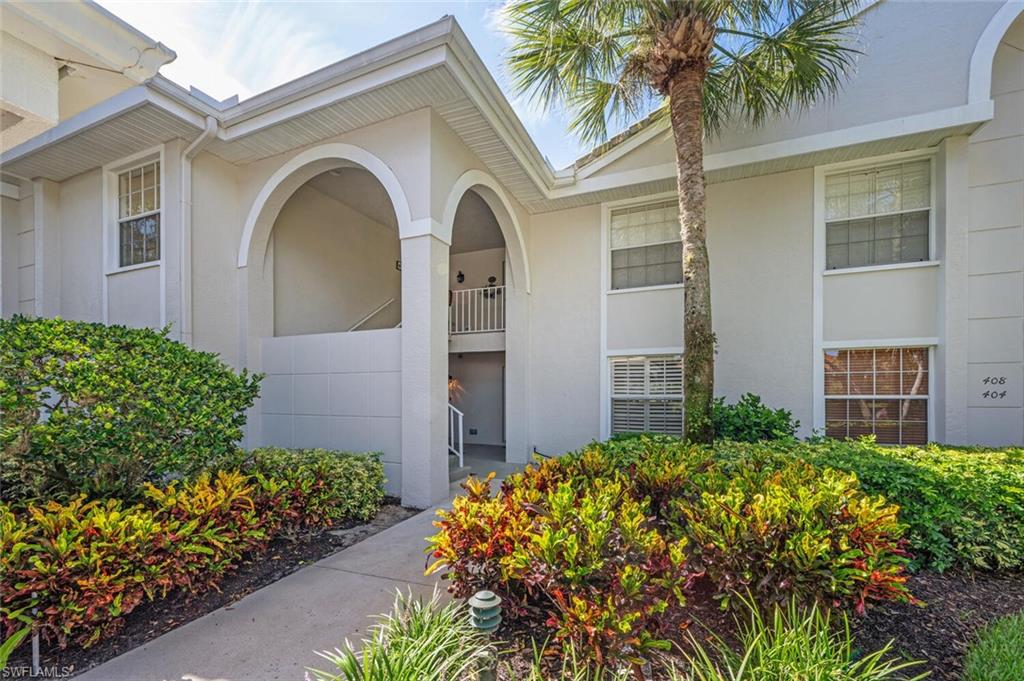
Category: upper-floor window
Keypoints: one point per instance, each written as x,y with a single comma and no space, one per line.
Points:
646,249
878,216
138,214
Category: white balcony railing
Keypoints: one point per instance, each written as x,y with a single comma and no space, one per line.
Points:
477,310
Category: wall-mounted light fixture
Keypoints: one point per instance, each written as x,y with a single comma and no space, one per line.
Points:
460,277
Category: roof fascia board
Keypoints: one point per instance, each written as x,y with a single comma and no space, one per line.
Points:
120,103
634,142
482,89
371,80
959,116
92,30
368,61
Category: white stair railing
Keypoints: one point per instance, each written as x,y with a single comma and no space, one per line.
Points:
477,310
455,438
371,315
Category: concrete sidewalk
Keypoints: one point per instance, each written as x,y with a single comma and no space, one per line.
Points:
272,633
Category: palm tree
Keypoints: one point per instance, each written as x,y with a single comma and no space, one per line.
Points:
702,63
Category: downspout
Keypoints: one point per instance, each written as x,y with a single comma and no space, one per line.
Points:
185,278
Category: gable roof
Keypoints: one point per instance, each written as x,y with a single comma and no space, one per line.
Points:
437,67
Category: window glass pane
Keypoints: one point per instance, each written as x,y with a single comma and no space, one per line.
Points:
837,197
861,254
862,200
140,240
647,266
878,196
874,379
837,256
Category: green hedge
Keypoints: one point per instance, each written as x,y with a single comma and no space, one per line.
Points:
98,410
963,506
86,564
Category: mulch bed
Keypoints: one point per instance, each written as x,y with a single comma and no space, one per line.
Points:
151,619
938,633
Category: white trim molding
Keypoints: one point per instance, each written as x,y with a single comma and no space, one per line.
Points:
302,167
504,213
979,80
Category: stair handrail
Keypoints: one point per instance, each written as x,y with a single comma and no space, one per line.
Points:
371,315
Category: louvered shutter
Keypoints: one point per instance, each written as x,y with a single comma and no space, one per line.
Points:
646,395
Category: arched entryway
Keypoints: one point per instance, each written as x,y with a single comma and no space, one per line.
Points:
320,305
488,287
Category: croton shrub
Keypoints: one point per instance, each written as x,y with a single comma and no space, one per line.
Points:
963,507
86,564
599,543
99,410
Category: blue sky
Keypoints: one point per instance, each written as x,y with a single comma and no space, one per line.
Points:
244,48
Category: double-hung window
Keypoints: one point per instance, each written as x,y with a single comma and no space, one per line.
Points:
878,216
647,394
138,214
646,249
881,392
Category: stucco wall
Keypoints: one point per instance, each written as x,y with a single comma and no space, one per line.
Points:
477,266
81,251
217,221
759,240
565,328
134,297
18,255
995,270
332,267
336,391
899,303
480,398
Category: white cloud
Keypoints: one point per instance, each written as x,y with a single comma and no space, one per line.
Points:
226,49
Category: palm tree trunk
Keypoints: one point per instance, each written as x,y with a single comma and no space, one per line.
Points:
684,92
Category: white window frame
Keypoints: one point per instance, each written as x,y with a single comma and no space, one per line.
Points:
819,345
606,251
111,231
820,221
111,222
647,396
879,344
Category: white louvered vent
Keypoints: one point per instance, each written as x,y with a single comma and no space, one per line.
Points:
647,394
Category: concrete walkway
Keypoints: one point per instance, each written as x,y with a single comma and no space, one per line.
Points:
272,633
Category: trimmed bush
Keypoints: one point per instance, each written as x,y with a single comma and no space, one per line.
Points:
98,410
963,507
326,486
90,563
997,654
749,420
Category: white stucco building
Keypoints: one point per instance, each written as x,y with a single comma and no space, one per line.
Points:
367,231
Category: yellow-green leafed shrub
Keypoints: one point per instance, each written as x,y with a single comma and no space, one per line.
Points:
962,506
796,532
85,565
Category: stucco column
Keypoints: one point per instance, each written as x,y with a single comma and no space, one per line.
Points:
46,216
951,250
424,370
518,448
